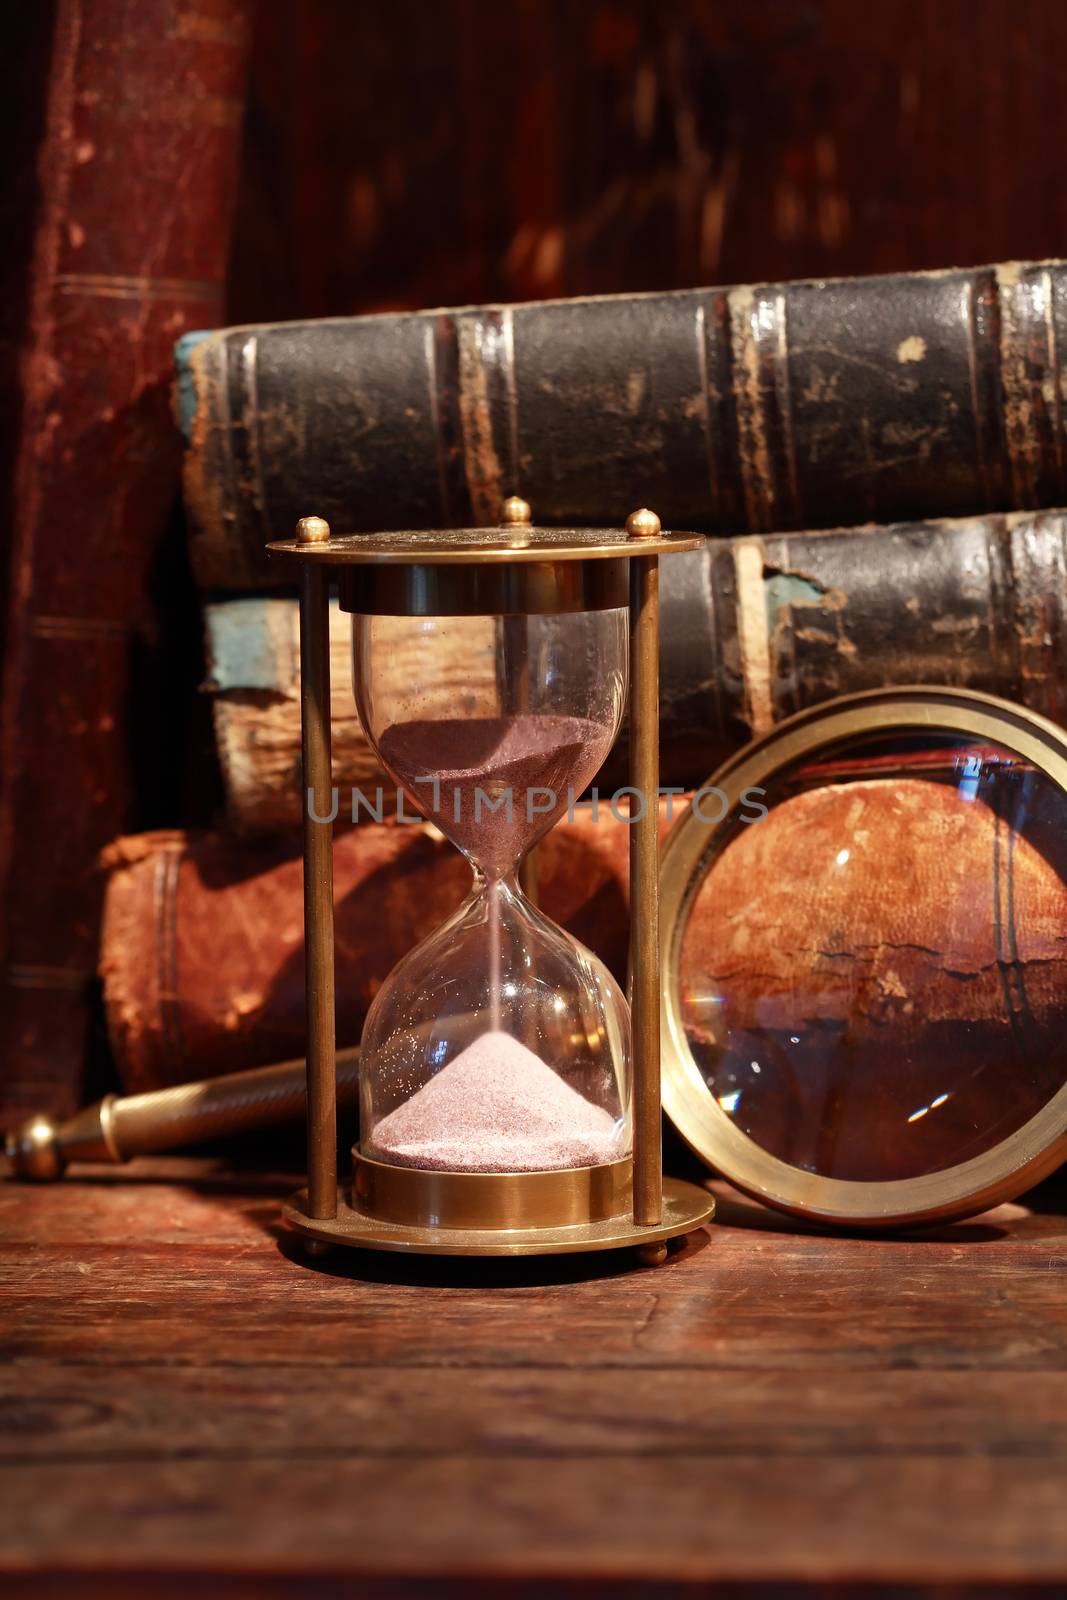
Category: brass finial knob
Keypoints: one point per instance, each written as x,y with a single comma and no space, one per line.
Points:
515,511
33,1150
313,530
643,524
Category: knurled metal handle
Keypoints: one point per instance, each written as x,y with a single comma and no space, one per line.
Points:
120,1127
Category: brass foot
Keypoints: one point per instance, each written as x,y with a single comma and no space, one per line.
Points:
685,1207
652,1255
317,1247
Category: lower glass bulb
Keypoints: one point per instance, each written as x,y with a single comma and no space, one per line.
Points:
499,1045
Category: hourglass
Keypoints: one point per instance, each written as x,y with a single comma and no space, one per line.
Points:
509,1104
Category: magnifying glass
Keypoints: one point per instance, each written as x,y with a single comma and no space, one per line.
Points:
864,930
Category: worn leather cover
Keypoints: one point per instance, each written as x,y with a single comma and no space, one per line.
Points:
767,407
137,178
753,629
202,950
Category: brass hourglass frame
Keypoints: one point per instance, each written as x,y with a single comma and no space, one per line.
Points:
512,570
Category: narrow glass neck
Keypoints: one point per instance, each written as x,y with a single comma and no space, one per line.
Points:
505,883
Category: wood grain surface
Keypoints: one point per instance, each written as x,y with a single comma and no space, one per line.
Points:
186,1407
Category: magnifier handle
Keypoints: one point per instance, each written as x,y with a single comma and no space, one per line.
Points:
120,1127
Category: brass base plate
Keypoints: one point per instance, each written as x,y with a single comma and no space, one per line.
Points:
685,1207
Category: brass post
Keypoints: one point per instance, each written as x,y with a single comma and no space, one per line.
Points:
644,872
318,875
516,513
520,701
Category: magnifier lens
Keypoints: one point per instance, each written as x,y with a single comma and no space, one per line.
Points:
873,972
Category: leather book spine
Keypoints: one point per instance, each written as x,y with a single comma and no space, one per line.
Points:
754,629
138,168
202,948
754,409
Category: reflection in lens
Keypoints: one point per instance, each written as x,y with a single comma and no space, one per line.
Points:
873,978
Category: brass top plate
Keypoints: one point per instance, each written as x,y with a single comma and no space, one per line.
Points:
484,546
998,1174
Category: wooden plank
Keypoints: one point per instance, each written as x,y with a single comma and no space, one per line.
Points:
891,1519
186,1200
66,1414
774,1406
190,1199
992,1297
168,1200
255,1306
143,1312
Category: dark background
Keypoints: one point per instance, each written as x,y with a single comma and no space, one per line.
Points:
403,153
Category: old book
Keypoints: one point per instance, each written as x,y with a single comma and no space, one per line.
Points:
253,662
761,408
202,946
754,629
138,167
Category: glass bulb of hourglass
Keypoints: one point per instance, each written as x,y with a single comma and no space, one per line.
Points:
499,1044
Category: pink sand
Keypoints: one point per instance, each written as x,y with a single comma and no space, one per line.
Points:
496,1108
520,753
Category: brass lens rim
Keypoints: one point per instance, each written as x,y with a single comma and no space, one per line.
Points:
999,1174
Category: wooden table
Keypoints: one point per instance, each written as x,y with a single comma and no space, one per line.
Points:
771,1408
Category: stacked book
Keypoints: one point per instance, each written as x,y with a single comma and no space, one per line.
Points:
917,418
